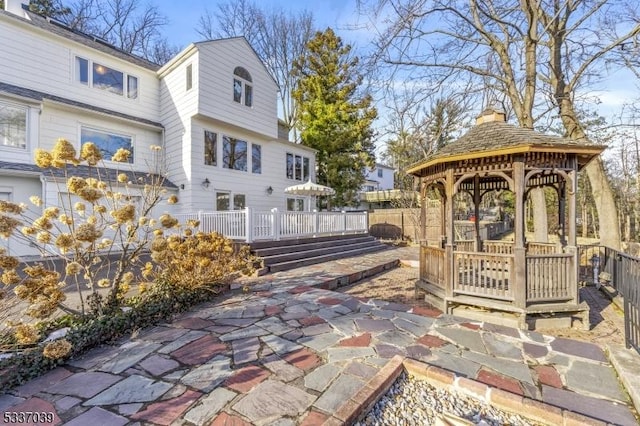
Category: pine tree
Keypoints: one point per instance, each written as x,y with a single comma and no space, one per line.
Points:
50,8
333,117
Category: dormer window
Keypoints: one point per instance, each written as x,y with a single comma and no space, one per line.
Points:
242,87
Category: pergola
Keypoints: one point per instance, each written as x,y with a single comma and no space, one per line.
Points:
516,278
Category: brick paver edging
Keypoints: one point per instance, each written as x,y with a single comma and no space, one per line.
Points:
378,385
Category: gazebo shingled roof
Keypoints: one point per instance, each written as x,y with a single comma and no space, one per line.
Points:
500,138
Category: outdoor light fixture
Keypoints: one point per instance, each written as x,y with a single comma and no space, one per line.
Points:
206,182
269,190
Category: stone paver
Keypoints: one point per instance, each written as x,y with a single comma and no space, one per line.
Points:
319,379
594,379
209,375
340,391
289,352
246,378
208,407
98,416
165,412
199,350
84,384
128,355
132,389
271,400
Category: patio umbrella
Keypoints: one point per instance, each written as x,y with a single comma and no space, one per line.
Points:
309,189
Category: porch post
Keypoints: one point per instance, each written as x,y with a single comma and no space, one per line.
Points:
275,224
519,251
248,222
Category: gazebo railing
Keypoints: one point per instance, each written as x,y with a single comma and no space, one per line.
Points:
498,247
543,248
432,265
481,274
549,278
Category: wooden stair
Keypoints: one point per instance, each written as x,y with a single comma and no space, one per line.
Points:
293,253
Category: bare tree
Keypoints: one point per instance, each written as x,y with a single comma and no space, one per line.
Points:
540,54
126,24
278,37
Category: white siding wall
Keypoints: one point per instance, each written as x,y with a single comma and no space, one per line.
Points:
218,59
18,189
253,186
177,107
58,121
45,62
384,182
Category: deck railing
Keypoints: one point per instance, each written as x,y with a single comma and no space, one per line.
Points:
248,225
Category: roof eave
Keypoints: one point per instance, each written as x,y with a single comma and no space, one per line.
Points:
592,150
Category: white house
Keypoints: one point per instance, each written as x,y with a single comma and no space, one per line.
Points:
213,108
378,178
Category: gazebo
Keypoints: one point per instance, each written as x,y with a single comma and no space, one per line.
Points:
525,283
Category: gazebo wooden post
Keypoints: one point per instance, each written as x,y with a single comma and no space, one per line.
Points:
572,243
562,202
423,210
519,275
476,211
450,235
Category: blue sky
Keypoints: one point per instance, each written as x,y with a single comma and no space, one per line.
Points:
184,15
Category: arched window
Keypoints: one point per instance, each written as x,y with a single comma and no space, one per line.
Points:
242,89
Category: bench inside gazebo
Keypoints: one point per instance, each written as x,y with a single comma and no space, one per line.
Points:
527,284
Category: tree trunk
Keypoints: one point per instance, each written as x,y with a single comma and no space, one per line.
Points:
540,226
605,204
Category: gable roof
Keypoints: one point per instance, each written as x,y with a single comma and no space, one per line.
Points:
60,29
500,138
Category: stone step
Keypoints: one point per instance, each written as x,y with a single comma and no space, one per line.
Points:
312,245
284,266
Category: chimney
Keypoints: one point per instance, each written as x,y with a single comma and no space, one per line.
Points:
491,114
14,7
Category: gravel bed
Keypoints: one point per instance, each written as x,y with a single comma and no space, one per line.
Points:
411,401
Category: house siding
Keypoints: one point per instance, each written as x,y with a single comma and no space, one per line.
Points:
51,70
218,59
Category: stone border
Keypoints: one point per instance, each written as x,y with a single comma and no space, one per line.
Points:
358,405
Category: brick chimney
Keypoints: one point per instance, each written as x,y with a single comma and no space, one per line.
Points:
491,114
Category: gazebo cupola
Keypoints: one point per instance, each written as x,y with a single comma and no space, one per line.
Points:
510,278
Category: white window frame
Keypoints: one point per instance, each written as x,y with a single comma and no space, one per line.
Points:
232,198
294,175
89,83
110,133
26,127
246,96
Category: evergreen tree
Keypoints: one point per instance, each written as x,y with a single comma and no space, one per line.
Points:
50,8
333,117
